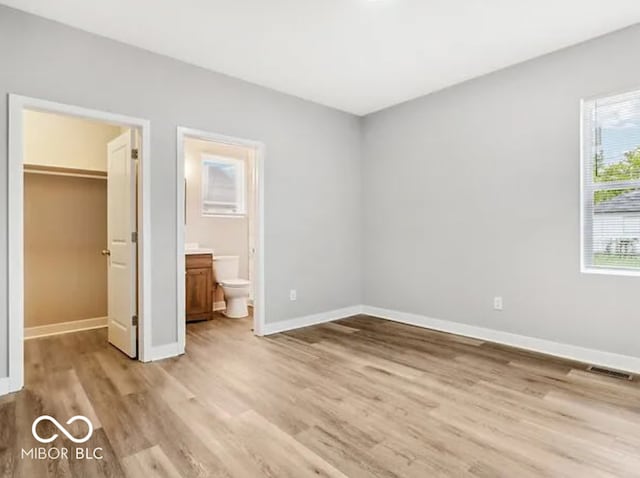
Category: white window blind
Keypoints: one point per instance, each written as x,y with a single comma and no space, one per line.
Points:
611,184
223,186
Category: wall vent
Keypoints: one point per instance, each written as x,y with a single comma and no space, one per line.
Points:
609,372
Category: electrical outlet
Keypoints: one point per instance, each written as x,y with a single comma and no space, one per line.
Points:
293,295
497,303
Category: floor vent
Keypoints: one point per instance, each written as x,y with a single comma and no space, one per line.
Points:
610,373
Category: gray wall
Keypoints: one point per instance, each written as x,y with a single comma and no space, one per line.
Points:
468,193
312,163
473,192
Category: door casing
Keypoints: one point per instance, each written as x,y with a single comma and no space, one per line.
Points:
15,279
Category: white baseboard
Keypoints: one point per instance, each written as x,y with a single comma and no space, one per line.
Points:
65,327
307,320
4,386
15,384
162,352
572,352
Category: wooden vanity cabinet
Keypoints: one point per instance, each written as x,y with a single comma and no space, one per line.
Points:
199,287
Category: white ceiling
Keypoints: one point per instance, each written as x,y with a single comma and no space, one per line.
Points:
355,55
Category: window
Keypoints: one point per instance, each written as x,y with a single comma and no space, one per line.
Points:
223,186
611,184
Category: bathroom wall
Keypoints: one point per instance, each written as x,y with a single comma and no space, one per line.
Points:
65,219
225,235
474,192
312,165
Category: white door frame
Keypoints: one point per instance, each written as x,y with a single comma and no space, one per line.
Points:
258,306
17,104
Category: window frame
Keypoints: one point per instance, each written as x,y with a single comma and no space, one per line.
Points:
588,187
241,184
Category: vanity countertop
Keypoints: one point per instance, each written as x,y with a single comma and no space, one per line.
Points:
198,250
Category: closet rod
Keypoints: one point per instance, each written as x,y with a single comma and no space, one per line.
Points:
60,171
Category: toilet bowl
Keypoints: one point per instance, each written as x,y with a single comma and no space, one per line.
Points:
236,291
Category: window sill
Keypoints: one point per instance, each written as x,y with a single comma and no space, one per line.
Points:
221,215
610,272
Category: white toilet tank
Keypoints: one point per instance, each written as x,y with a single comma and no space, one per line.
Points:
225,268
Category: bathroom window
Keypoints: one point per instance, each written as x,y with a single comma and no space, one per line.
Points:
223,186
611,184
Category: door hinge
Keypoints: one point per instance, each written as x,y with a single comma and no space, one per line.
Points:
134,236
134,153
134,320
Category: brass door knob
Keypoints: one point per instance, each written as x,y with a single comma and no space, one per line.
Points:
106,252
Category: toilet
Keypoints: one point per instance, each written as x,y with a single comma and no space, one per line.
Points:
236,291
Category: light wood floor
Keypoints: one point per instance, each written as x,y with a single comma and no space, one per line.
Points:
361,397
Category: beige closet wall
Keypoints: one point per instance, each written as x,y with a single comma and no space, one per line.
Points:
66,141
65,220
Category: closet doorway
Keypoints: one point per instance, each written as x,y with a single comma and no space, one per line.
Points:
76,226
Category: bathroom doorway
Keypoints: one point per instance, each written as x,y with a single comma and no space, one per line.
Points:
220,226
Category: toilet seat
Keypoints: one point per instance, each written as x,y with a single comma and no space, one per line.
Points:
235,283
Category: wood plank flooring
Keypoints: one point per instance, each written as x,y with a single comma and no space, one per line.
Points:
357,398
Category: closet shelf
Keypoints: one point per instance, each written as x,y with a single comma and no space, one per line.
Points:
61,171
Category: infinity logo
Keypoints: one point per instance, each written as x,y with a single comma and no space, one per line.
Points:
62,429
